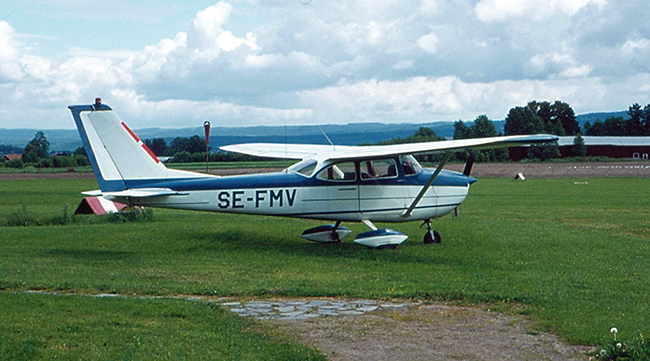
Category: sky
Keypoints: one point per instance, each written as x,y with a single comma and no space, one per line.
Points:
175,64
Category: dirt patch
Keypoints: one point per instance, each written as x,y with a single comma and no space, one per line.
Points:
558,170
429,332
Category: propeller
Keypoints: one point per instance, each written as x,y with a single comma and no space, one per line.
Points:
470,163
466,171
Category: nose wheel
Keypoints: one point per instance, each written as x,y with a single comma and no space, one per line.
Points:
431,236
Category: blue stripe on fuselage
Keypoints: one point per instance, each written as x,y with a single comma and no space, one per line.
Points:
283,179
445,178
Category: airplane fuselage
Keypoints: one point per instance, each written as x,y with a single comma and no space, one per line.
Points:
291,194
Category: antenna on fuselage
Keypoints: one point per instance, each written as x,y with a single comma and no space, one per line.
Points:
326,137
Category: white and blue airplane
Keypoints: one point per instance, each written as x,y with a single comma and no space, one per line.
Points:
337,183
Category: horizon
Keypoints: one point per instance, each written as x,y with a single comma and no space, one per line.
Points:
200,126
342,134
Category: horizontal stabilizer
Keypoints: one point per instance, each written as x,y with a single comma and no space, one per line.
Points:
144,193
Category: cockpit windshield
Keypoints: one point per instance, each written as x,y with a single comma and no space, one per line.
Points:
306,167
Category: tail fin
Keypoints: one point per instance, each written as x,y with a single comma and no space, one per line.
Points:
118,157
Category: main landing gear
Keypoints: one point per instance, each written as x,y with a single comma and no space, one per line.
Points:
376,238
431,236
329,233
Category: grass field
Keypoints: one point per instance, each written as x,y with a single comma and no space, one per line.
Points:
571,254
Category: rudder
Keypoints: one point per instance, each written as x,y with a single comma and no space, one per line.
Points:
118,157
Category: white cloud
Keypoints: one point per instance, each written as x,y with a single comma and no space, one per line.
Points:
632,46
428,43
329,62
10,67
169,112
503,10
499,10
558,64
208,36
7,47
421,99
576,71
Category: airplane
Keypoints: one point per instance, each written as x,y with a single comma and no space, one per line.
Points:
333,183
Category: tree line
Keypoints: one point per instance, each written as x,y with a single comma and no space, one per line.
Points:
192,149
556,118
637,123
37,154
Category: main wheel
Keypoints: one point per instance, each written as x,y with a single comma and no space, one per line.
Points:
432,237
387,246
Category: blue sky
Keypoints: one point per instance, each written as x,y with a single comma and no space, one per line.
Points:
251,62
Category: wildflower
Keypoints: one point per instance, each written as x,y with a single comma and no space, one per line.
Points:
618,345
603,353
614,330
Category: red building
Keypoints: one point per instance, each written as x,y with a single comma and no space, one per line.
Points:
611,147
12,156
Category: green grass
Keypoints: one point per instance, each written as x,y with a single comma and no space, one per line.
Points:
572,256
37,326
32,169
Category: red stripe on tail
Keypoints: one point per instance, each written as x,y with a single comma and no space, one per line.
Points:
130,132
151,154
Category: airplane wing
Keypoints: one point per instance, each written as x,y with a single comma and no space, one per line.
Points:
283,151
302,151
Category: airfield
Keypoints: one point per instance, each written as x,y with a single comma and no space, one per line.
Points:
530,270
534,170
480,170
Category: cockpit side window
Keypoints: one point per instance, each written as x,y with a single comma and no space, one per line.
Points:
340,172
378,168
410,165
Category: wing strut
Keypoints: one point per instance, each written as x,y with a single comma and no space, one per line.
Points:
417,199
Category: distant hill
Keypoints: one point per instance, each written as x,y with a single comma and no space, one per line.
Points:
592,117
347,134
344,134
60,139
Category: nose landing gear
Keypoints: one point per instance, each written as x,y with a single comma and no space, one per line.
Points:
431,236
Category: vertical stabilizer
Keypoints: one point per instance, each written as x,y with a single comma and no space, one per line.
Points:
118,157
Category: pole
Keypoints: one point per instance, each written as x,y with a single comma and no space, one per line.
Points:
206,127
